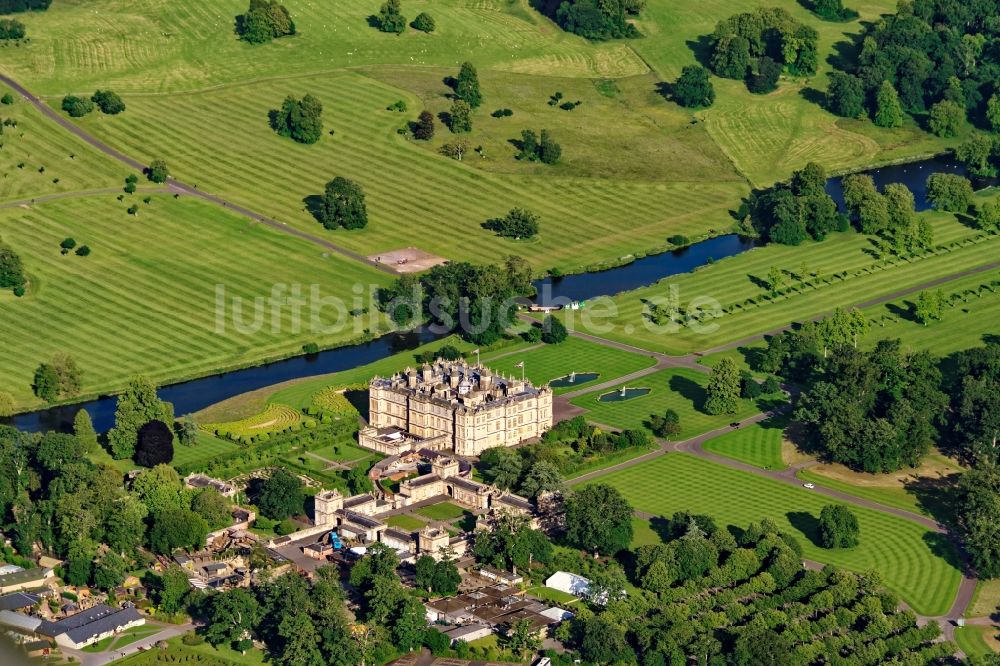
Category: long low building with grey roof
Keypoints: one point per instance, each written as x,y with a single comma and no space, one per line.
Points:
89,626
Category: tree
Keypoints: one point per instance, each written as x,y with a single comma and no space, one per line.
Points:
928,306
666,426
423,129
343,205
108,102
69,374
171,589
456,150
160,489
542,477
46,383
529,146
723,392
517,223
520,638
888,113
598,518
846,95
125,524
137,405
155,444
731,57
232,617
67,244
604,643
977,154
838,527
946,118
79,562
833,10
593,20
978,498
7,99
500,466
11,269
993,112
158,171
424,22
77,107
281,495
390,18
467,85
549,152
424,576
460,117
693,88
110,571
409,624
446,578
177,528
263,22
775,280
187,432
765,80
300,120
950,192
553,331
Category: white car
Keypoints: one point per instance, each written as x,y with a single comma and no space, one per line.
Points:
810,486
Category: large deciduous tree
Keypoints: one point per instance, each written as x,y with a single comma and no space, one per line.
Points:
281,495
155,444
599,519
343,205
723,391
137,405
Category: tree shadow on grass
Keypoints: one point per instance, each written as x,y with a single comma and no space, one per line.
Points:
807,524
701,47
314,204
904,311
934,495
690,390
665,90
467,523
943,547
813,96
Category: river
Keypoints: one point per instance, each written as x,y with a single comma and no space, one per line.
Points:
196,394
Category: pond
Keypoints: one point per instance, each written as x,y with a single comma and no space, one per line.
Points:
574,379
623,394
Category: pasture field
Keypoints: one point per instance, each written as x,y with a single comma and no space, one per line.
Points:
146,300
768,136
986,600
131,45
732,281
757,444
922,490
39,158
548,362
416,197
680,389
917,564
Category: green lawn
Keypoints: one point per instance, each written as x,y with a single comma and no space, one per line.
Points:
548,362
52,160
549,594
609,460
972,640
916,563
405,522
145,300
758,444
679,389
205,449
342,451
643,534
195,655
442,511
734,281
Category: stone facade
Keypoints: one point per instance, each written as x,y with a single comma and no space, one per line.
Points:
466,406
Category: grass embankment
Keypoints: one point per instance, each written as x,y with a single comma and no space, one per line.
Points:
919,565
733,282
146,300
679,389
